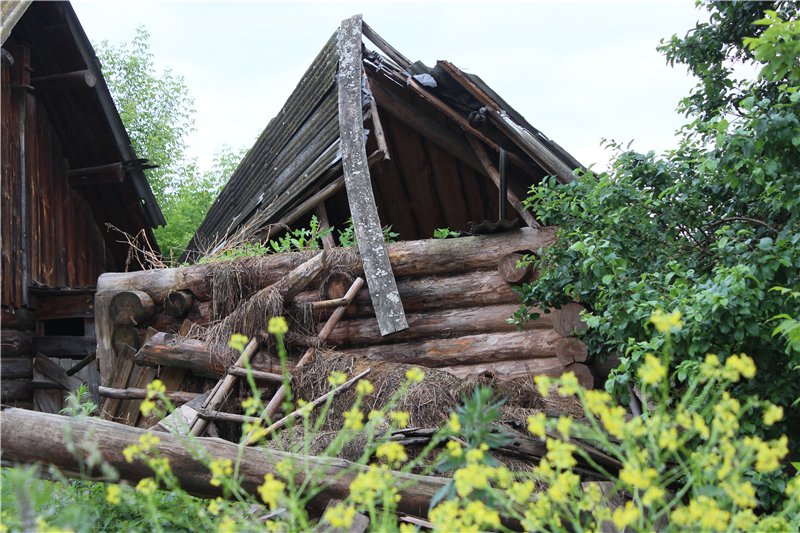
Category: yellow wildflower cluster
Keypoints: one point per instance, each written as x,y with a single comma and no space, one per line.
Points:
652,371
155,391
354,419
337,378
147,441
277,326
146,486
340,516
400,418
113,493
364,386
393,452
220,469
373,485
472,517
271,491
238,342
415,374
664,322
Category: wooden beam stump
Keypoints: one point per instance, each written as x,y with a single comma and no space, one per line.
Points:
177,304
131,308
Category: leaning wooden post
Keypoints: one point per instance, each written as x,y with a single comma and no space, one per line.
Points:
336,316
369,234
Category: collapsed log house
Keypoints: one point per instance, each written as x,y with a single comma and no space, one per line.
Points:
370,135
68,170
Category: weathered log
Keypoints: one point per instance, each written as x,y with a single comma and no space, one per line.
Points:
436,324
14,342
131,308
126,336
164,349
258,376
200,314
30,437
21,318
55,306
177,397
417,258
567,320
508,370
583,373
16,368
510,271
572,350
178,303
64,345
489,347
15,390
336,284
299,278
86,361
482,287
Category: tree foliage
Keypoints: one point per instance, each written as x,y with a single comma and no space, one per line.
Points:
158,113
710,229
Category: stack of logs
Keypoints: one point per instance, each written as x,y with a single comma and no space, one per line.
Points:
458,295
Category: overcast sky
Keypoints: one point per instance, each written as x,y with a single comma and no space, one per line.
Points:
578,71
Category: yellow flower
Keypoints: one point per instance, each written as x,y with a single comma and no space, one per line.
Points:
563,486
405,527
652,371
772,414
159,465
112,494
401,418
768,458
478,514
155,388
569,384
213,506
668,439
636,477
597,401
563,425
147,407
277,326
376,414
393,452
148,441
625,516
652,495
415,374
739,365
537,425
284,468
249,405
364,387
742,494
220,469
664,322
238,342
130,452
542,385
454,448
560,454
745,520
613,420
521,492
368,484
471,477
271,491
227,525
700,426
146,486
354,419
337,378
340,516
455,423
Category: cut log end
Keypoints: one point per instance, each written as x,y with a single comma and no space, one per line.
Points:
571,350
177,304
511,271
131,308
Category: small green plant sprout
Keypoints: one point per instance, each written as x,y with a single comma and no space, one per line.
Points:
347,236
79,403
445,233
301,238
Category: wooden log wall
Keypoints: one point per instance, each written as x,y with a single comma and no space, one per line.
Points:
457,302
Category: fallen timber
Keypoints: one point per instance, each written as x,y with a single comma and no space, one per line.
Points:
32,437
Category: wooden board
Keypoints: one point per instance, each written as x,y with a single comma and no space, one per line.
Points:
371,246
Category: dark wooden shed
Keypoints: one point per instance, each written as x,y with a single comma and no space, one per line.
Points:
68,172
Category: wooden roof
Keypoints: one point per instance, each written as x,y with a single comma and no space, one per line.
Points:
433,136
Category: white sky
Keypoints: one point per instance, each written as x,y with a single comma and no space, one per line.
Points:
578,71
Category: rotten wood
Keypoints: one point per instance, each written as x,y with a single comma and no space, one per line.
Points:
16,368
53,370
53,307
15,390
65,80
29,437
336,284
113,173
221,416
126,336
86,361
368,229
131,308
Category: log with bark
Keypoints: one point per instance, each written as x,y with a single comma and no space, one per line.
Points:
409,258
30,437
177,397
13,342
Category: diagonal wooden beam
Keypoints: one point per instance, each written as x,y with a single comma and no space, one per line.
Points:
369,234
